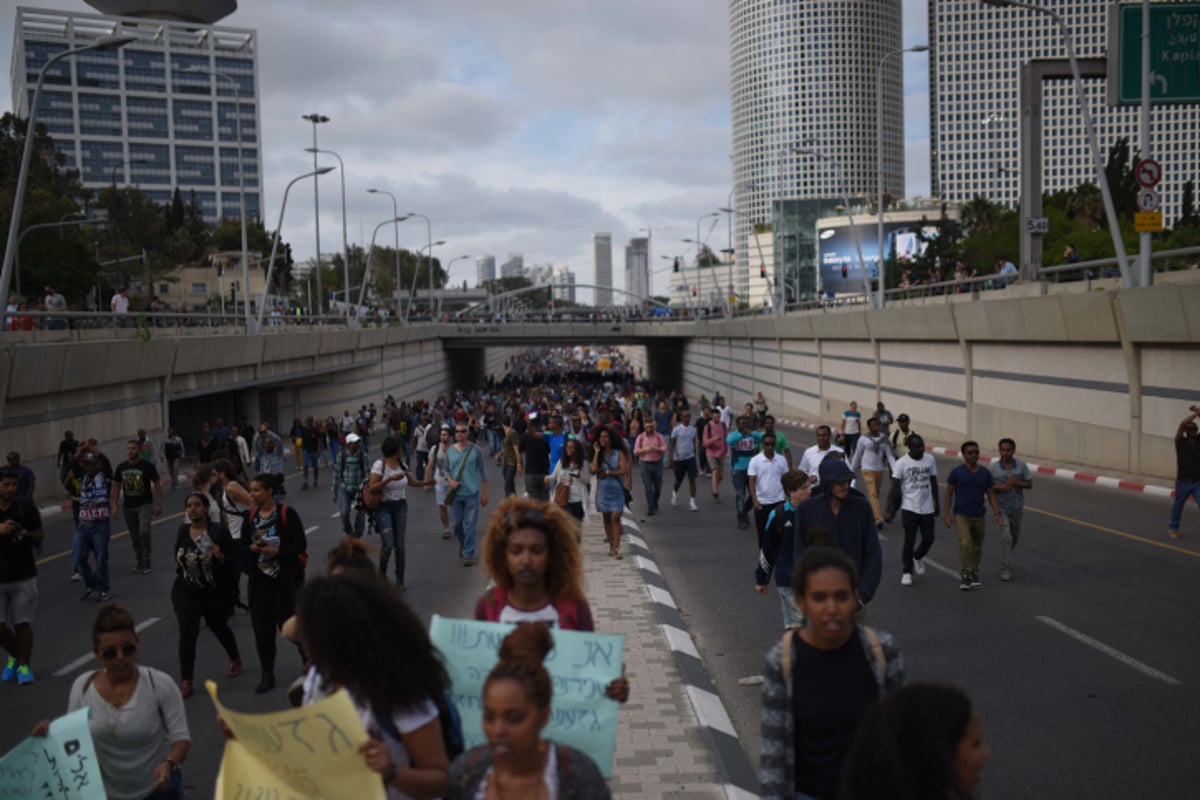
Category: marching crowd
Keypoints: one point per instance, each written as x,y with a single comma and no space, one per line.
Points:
567,439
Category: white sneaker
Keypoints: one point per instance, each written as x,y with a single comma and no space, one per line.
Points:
674,498
906,579
919,566
692,505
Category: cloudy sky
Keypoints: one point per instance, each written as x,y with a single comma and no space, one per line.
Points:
520,126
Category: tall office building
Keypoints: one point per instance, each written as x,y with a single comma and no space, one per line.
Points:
602,268
804,75
514,267
135,115
485,269
974,110
637,271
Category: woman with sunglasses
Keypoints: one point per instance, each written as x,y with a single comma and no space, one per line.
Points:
204,573
531,554
136,717
610,465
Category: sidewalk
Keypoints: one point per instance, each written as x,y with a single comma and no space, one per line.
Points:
663,747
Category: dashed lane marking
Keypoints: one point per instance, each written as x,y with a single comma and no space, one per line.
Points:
1111,652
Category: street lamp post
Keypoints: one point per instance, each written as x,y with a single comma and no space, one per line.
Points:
1110,211
396,235
370,253
413,291
429,239
345,240
237,126
14,225
449,264
917,48
262,303
316,119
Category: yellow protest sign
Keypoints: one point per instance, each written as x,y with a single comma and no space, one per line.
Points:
301,754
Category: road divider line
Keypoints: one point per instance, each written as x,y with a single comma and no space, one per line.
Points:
953,573
86,657
1131,536
1111,652
56,556
310,529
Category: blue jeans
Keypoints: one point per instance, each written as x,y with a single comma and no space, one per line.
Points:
92,537
793,617
464,513
652,482
346,496
391,520
741,488
1183,490
495,441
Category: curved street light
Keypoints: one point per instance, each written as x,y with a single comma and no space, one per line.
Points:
429,239
262,303
396,235
317,119
14,224
449,264
345,241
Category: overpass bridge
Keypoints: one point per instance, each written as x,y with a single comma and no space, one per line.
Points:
1082,372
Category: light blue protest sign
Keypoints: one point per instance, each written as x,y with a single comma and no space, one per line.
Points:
61,766
581,666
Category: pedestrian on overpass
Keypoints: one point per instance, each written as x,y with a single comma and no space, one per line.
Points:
1010,479
967,486
819,682
1187,469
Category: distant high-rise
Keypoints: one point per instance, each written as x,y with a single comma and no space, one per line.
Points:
804,75
485,269
974,111
514,267
602,265
136,115
637,270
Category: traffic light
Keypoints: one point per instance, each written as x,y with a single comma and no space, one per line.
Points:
693,291
677,263
762,272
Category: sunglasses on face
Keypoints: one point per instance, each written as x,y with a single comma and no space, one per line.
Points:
128,651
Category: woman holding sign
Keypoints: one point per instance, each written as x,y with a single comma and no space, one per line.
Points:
360,636
137,720
517,761
532,555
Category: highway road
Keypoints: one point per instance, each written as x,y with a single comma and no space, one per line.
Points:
1084,667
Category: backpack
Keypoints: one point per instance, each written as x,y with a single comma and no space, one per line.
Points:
448,716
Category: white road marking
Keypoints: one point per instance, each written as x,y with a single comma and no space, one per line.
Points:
86,657
629,522
1127,660
734,793
680,641
710,711
647,565
661,596
637,541
311,528
953,573
335,515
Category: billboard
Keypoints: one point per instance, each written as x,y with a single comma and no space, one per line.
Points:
840,269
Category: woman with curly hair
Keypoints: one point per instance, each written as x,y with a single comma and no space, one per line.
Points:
531,554
360,636
517,761
611,466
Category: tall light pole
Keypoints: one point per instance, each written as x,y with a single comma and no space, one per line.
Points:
449,264
262,303
316,119
396,233
237,124
649,255
413,291
116,215
345,240
1110,210
729,209
367,270
14,224
429,239
837,171
917,48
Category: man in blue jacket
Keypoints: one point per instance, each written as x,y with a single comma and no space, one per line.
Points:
847,515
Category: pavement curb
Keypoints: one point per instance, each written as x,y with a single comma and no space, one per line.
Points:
1057,472
738,776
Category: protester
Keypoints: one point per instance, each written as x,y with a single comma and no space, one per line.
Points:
391,477
517,761
610,465
135,715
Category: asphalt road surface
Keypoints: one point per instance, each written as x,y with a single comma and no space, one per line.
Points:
1084,667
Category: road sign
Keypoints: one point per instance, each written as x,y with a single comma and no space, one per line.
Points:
1148,222
1174,53
1148,173
1037,225
1149,200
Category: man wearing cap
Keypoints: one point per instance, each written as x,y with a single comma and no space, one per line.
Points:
901,434
847,516
348,474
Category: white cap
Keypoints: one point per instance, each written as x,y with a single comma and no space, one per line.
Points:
351,438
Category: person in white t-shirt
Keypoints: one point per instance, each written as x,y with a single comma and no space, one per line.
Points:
810,462
766,482
874,454
682,453
915,492
390,476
